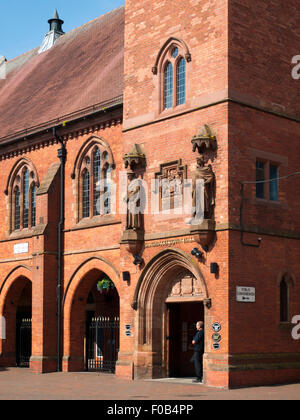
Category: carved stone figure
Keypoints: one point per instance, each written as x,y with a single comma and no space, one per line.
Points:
134,211
207,175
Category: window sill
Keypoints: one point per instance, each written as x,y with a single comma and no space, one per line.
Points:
27,232
172,111
95,221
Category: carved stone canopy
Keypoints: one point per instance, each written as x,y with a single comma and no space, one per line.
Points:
204,140
135,159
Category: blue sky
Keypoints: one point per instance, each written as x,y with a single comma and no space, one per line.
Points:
24,23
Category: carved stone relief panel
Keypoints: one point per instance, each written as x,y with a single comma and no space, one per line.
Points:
170,183
185,285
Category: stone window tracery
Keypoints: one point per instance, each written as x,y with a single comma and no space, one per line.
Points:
21,189
93,168
171,68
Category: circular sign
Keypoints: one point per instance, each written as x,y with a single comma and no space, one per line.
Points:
216,337
216,346
216,327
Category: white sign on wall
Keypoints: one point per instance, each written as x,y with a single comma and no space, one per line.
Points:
245,294
2,328
21,248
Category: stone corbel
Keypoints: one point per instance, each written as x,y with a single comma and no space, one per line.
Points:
204,233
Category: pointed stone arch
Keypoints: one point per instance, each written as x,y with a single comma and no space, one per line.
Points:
170,274
172,41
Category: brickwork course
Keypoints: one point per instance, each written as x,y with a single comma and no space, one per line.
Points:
102,87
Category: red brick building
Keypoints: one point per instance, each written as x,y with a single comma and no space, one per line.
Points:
147,92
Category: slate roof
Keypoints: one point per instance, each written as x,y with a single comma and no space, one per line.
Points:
83,71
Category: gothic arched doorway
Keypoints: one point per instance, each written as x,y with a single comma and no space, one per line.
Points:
171,296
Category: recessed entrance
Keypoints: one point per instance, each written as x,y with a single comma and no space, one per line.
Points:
181,328
102,330
24,328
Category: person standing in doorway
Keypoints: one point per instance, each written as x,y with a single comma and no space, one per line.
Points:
198,342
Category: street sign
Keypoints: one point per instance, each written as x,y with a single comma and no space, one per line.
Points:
245,294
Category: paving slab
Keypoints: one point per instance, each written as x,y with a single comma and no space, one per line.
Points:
22,384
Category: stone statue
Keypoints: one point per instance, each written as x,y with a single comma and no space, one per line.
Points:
134,211
207,175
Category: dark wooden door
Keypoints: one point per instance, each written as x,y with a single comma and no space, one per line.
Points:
181,328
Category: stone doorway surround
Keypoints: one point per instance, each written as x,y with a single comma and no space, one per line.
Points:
171,276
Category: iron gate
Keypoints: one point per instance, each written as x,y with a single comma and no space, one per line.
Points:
23,341
102,344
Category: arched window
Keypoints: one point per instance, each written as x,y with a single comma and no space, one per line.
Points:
33,205
180,82
168,86
85,194
25,198
107,190
21,188
284,299
93,168
96,181
171,66
17,208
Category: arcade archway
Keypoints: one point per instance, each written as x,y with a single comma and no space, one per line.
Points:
91,320
16,308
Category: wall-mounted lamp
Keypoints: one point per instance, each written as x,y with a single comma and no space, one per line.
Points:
197,253
126,275
137,260
214,268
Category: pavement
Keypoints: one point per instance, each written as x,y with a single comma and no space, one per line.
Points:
21,384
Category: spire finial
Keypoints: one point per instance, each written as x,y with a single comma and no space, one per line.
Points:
55,16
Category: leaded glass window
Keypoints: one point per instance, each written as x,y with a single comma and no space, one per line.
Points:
107,190
33,205
85,194
25,198
168,86
180,82
96,182
17,208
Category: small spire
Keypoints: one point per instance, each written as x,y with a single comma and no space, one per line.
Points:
54,33
55,16
56,23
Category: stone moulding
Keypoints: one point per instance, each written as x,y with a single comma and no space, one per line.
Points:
133,240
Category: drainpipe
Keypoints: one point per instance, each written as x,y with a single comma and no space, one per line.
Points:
62,153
